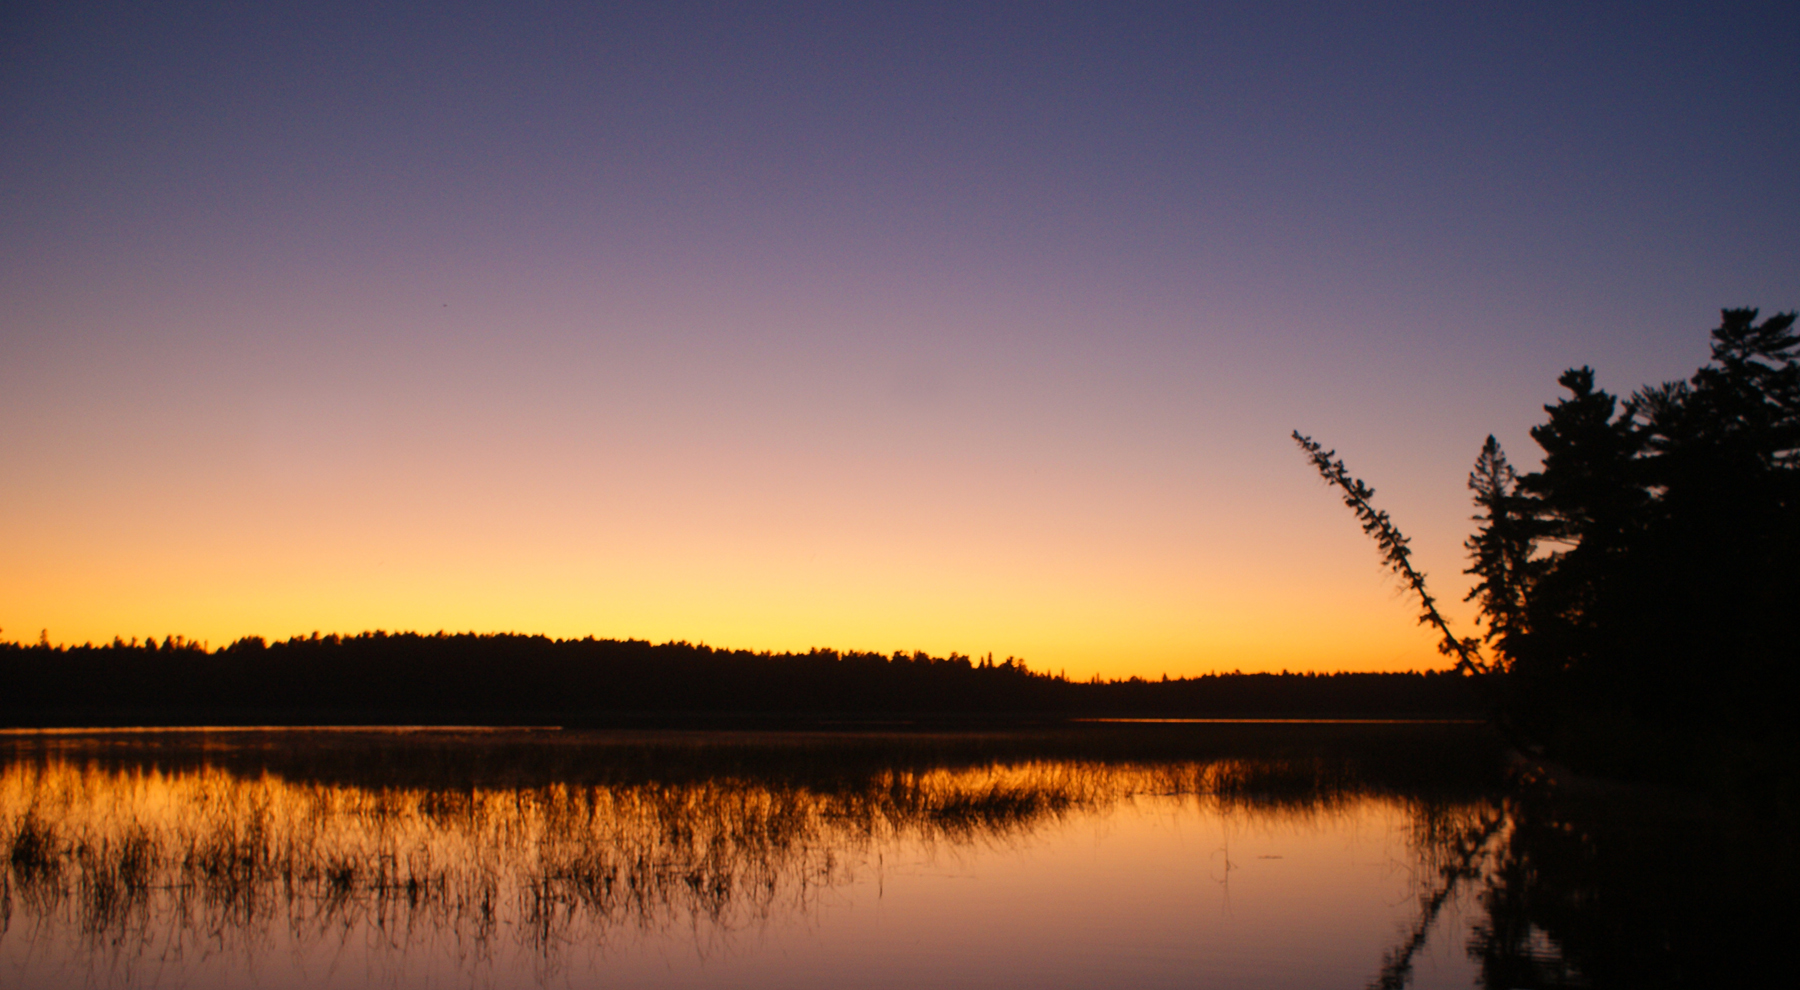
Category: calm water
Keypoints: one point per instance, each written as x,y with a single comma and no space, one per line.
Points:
1119,857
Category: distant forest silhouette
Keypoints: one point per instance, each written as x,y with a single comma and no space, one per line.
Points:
1637,592
470,678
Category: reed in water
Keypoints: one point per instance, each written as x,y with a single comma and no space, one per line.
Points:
114,847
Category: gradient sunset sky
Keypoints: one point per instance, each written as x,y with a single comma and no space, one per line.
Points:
919,326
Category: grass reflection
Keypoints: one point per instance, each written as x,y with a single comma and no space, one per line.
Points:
128,853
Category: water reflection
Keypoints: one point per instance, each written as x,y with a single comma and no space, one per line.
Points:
131,859
364,861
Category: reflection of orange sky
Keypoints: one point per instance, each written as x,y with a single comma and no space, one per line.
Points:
1125,875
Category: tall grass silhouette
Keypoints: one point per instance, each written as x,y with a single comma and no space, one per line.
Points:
137,854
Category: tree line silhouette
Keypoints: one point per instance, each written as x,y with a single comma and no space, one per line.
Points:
456,678
1645,574
1649,567
1641,577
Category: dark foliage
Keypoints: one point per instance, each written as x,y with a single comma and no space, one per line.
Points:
1648,569
384,677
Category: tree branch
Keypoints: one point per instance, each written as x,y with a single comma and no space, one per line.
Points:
1394,550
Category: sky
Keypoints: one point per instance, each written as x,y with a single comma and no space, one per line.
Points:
951,327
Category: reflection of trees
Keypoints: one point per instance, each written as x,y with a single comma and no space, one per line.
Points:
1613,886
1605,885
1455,844
1514,948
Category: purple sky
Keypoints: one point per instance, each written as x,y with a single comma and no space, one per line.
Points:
953,327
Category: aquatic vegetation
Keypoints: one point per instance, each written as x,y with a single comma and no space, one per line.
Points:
233,845
136,855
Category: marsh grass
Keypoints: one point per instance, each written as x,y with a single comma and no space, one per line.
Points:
149,848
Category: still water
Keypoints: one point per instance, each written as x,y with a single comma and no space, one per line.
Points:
1103,858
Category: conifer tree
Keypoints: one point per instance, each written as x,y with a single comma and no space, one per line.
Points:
1501,550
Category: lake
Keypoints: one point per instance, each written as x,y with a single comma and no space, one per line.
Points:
1141,855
